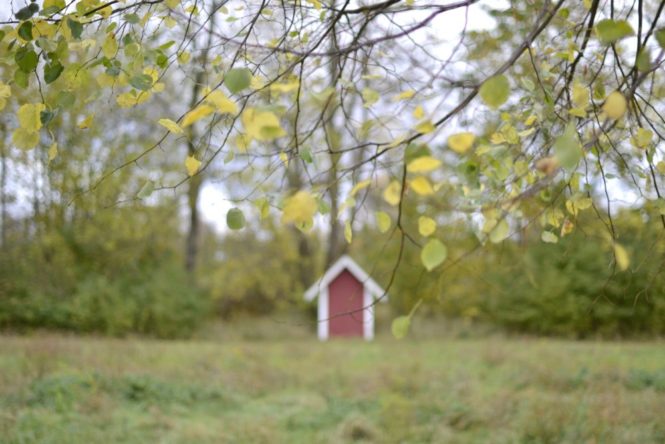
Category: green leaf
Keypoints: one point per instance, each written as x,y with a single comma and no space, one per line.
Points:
65,99
500,232
495,91
142,82
643,61
52,71
46,116
609,31
237,79
433,254
567,148
75,27
400,326
146,190
59,4
21,78
26,58
25,31
132,18
306,155
660,37
48,46
25,13
235,219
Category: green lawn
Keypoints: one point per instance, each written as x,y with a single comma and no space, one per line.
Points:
70,390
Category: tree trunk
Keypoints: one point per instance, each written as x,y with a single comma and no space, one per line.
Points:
336,245
195,182
3,192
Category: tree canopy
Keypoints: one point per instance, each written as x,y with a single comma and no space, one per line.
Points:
342,113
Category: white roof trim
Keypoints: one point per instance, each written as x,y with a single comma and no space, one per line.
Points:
345,262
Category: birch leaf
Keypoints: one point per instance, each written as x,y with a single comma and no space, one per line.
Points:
192,164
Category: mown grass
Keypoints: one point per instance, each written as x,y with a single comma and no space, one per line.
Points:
57,389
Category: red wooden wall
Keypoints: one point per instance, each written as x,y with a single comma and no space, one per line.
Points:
345,294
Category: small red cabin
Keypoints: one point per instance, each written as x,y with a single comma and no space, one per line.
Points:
345,295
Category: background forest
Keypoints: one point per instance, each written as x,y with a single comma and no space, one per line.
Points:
100,232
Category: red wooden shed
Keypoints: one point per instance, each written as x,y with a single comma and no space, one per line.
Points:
345,295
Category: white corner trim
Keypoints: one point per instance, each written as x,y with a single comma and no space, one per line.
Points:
323,322
368,316
321,286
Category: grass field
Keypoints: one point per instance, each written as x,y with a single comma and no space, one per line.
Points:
56,389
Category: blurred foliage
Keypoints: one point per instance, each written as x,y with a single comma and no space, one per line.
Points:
257,271
117,272
573,288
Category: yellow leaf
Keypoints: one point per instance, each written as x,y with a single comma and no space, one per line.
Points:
5,93
499,232
425,127
222,103
110,46
257,82
52,152
262,125
392,193
359,186
549,237
60,4
285,87
660,166
421,186
580,95
419,112
497,138
404,95
615,105
172,3
131,98
105,81
242,142
383,221
184,57
29,116
577,112
530,120
171,126
152,72
192,164
567,227
284,158
370,97
426,226
348,232
299,208
423,164
25,139
621,256
526,133
197,114
85,123
315,3
643,138
577,203
461,142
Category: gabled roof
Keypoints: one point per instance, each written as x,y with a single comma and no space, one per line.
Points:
344,262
